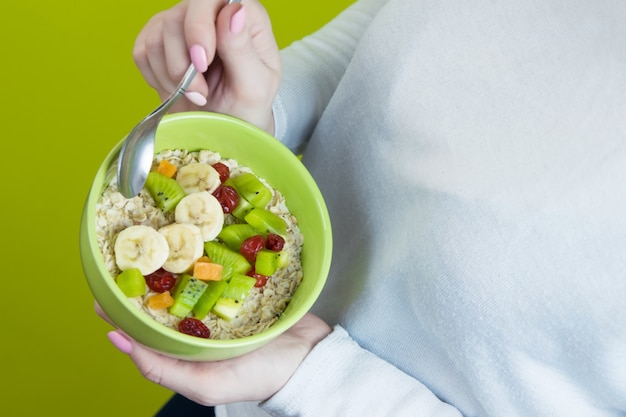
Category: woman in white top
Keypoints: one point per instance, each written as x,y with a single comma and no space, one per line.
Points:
473,159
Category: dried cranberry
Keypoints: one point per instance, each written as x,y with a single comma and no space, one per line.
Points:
275,242
160,280
223,170
194,327
227,196
251,246
261,280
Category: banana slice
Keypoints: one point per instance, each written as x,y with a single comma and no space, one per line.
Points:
203,210
196,177
186,246
140,247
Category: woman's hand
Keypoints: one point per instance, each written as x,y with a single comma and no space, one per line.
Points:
232,46
255,376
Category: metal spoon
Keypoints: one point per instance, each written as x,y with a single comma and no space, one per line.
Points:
135,157
137,152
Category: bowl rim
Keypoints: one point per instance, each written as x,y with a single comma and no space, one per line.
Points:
105,173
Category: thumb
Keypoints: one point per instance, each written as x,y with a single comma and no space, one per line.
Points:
235,45
237,19
247,48
233,41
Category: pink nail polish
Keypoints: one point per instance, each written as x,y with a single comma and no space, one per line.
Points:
238,21
199,58
120,342
196,98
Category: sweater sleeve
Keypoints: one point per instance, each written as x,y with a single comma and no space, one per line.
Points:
312,69
339,378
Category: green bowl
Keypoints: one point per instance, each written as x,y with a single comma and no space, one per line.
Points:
268,158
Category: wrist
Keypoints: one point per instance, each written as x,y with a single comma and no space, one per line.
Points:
263,121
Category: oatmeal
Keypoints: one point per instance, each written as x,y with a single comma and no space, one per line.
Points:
262,306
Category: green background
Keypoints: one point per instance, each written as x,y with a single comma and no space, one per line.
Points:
70,92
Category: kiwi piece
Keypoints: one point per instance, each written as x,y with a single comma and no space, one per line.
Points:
227,308
232,261
266,262
230,302
186,294
283,259
165,191
239,287
266,222
131,282
242,208
250,187
235,234
208,298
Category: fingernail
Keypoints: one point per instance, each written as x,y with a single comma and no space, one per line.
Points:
199,58
120,342
238,21
196,98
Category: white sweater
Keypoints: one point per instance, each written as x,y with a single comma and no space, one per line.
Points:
473,159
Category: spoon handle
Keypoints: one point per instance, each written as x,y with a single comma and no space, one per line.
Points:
180,90
182,87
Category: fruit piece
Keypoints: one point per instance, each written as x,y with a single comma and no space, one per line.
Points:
266,262
227,308
161,300
131,282
228,305
186,246
197,176
261,280
166,168
283,259
207,271
187,292
228,198
250,187
223,170
206,302
242,208
275,242
239,287
165,191
266,222
203,210
194,327
140,247
160,280
234,235
233,262
251,246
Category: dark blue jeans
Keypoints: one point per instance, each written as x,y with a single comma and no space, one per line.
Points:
179,406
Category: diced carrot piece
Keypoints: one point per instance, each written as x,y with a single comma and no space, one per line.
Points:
162,300
166,168
207,271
